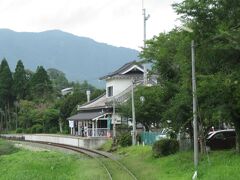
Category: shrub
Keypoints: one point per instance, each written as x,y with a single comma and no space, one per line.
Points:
37,128
122,129
164,147
125,140
172,134
53,130
19,130
28,130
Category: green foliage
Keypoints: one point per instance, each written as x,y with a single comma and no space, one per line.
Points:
6,148
20,81
40,84
124,139
58,79
6,83
28,165
28,130
31,114
70,102
150,111
216,31
223,164
53,130
96,93
107,146
37,128
26,113
165,147
19,130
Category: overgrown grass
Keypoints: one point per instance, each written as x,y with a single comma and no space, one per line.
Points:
28,165
6,147
223,165
106,146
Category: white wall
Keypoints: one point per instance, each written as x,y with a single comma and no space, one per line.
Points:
119,85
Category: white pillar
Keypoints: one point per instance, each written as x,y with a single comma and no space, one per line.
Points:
84,128
87,127
79,128
96,128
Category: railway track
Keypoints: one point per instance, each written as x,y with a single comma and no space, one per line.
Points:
115,169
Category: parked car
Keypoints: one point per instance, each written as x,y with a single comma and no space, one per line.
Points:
222,139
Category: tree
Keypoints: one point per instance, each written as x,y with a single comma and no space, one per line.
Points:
68,106
26,113
6,93
217,30
6,82
20,81
149,111
40,84
58,79
96,93
170,54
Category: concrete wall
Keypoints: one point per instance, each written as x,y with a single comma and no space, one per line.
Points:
90,142
119,85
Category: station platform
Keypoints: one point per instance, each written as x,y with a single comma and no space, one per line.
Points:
77,141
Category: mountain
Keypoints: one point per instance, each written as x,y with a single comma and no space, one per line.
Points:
80,58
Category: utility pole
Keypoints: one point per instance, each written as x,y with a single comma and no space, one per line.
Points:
145,18
195,125
133,117
195,130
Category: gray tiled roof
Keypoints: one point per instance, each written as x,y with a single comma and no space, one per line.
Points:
97,103
85,116
121,69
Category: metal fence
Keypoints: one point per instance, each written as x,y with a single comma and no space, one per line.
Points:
150,137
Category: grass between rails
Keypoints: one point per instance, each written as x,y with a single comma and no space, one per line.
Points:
223,165
24,164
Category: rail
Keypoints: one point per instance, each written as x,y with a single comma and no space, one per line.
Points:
89,152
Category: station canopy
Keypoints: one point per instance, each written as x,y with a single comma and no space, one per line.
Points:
87,116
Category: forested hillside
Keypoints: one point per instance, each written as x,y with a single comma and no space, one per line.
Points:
31,102
79,58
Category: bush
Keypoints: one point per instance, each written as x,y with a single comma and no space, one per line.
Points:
19,130
165,147
172,134
53,130
37,128
125,140
28,131
122,129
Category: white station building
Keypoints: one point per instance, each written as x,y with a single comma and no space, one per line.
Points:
95,117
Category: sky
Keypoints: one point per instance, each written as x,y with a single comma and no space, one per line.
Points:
115,22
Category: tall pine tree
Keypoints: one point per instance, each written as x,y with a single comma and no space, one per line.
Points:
40,84
6,94
20,81
6,83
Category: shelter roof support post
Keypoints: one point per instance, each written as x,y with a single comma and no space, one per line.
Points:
96,127
93,130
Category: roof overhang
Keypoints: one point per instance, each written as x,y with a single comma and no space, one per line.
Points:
133,67
83,116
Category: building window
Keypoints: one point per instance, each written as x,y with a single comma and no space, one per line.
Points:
110,91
